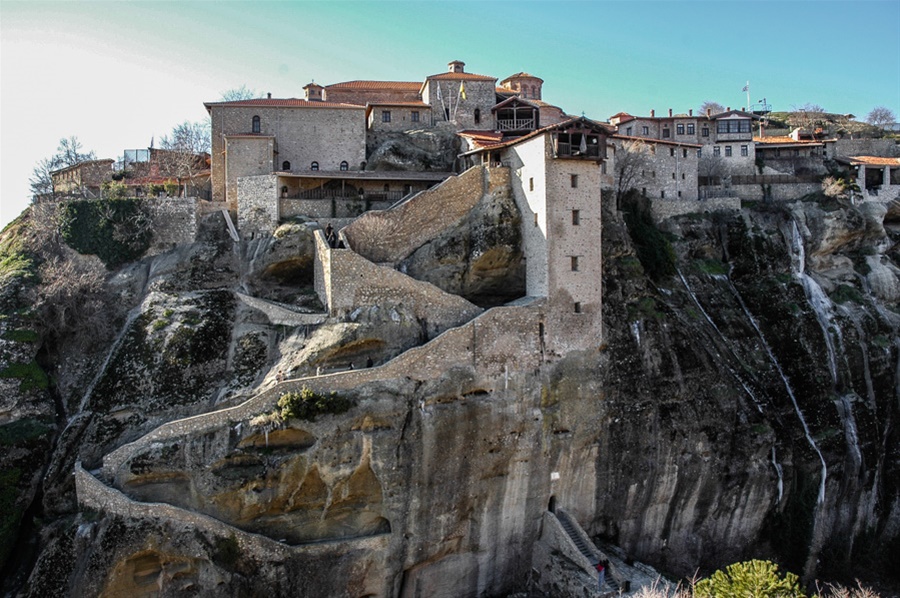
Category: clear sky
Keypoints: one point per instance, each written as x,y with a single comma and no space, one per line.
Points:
117,74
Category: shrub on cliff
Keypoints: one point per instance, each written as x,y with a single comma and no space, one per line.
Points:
115,230
653,249
750,579
308,404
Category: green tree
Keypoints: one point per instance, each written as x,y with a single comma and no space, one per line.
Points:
750,579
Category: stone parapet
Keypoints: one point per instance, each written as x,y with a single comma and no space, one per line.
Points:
391,235
662,209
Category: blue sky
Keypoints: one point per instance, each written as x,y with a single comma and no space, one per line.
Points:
117,74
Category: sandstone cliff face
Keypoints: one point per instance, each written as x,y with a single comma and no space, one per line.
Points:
733,411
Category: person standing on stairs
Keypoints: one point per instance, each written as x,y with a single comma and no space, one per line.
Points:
601,573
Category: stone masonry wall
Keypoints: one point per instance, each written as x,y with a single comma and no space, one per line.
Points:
390,235
247,156
501,340
664,208
257,204
174,222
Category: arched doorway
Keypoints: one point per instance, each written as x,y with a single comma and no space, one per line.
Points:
551,506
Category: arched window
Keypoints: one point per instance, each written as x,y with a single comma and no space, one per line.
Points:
256,128
533,91
345,165
314,166
285,165
477,116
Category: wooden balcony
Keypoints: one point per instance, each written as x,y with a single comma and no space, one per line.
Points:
515,124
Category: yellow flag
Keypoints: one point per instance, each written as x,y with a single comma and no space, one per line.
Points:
462,89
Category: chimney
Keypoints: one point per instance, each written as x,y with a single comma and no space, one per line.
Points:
457,66
269,95
728,109
708,112
652,113
670,113
690,112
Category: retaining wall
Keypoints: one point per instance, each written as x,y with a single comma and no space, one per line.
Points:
174,222
391,235
662,209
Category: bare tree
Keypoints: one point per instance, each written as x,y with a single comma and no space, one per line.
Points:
184,152
632,161
808,117
68,153
239,93
713,107
711,171
881,116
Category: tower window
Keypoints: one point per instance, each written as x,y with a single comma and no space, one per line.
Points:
285,165
574,259
578,307
576,217
574,180
256,126
314,166
477,116
531,183
345,165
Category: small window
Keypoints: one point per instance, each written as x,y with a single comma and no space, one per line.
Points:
345,165
717,151
385,116
628,131
535,219
682,176
578,307
662,194
727,151
672,151
796,152
285,165
665,133
531,183
387,188
699,153
576,217
777,152
574,259
679,129
574,180
603,168
414,116
314,166
745,151
673,176
705,132
690,129
679,194
684,153
478,116
644,191
256,126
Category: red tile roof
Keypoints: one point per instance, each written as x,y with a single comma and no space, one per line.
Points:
483,139
282,103
873,161
381,85
522,75
459,76
784,140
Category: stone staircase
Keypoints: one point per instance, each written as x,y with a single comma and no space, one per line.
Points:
590,552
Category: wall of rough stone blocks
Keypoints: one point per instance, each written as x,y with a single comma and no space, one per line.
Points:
887,148
327,208
480,94
313,132
247,156
257,204
389,236
355,95
776,192
174,222
663,208
402,118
